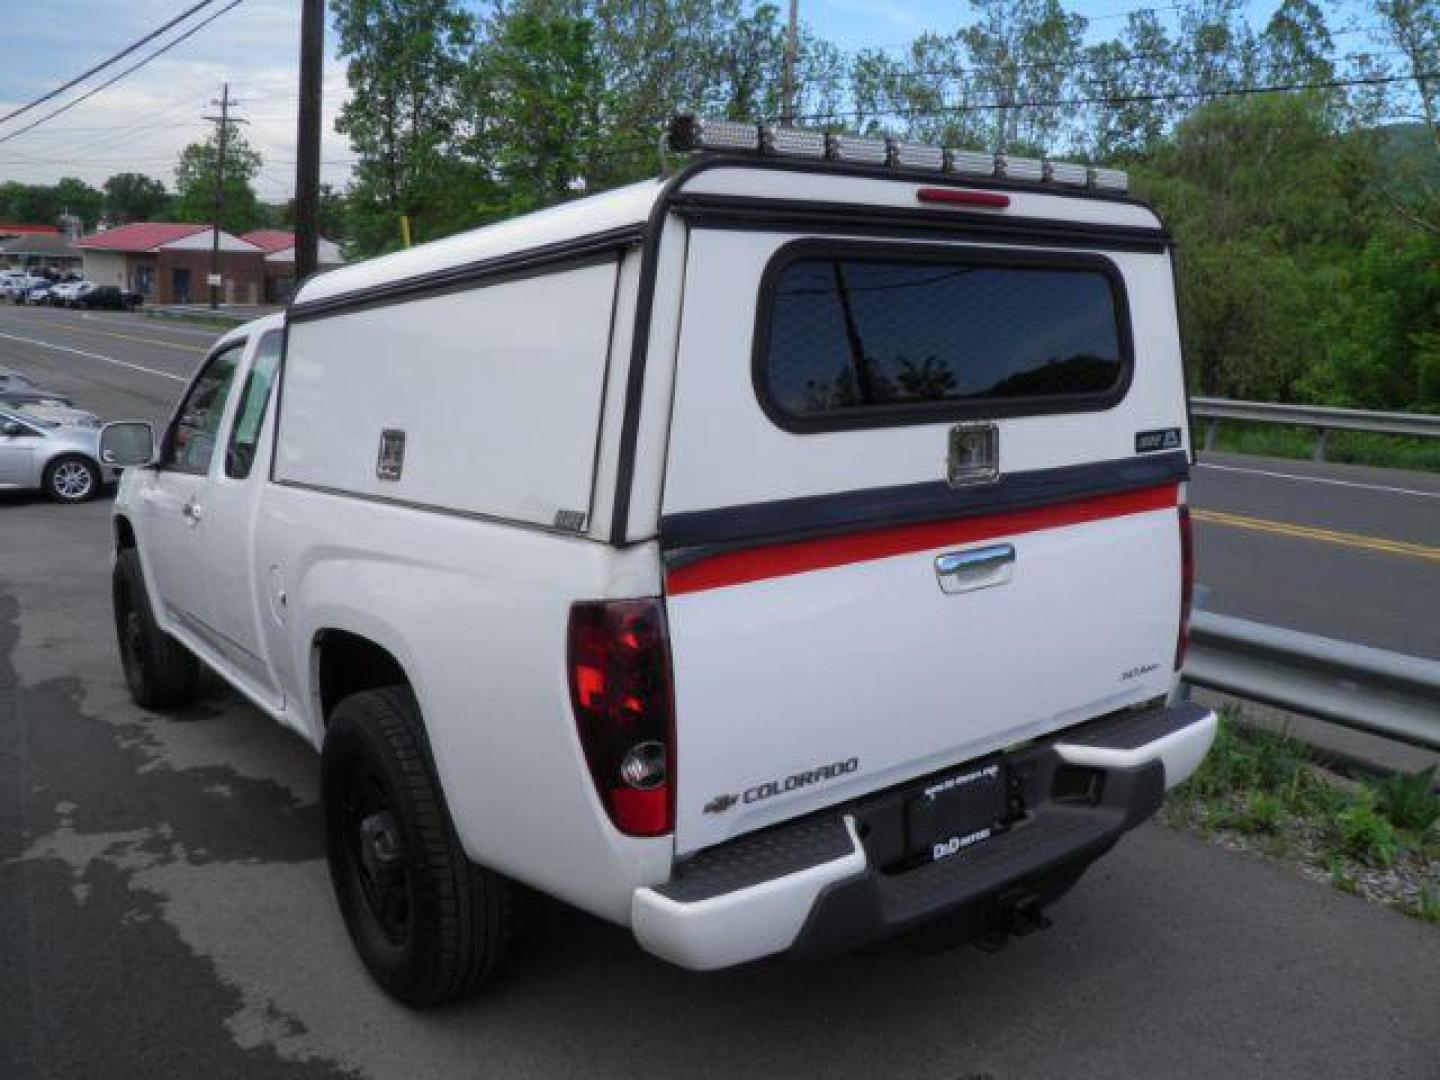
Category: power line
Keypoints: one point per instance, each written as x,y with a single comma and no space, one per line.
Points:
131,69
106,62
1113,101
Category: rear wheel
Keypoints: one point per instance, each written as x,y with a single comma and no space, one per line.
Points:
71,479
428,924
160,672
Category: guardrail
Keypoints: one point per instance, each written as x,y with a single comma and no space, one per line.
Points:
1373,690
1323,418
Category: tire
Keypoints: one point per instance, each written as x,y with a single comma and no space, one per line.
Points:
429,925
160,672
71,479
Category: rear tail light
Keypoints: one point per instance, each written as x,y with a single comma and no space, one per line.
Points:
620,691
1187,582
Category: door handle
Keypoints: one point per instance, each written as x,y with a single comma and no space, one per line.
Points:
975,568
191,510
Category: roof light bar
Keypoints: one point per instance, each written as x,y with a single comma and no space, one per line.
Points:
860,150
1021,168
972,163
695,133
793,142
909,155
691,133
1110,179
1065,172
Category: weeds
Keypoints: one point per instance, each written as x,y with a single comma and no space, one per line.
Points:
1368,835
1371,839
1408,802
1427,908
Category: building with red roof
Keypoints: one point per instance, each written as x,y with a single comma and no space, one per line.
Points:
9,232
279,248
168,262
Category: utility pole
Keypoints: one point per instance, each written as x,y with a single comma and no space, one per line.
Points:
787,87
307,139
224,121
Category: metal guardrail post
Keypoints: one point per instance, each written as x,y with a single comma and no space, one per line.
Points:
1321,435
1372,690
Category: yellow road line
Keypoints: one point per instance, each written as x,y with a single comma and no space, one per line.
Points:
132,337
1309,532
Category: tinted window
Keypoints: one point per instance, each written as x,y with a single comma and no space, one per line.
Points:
870,337
245,433
197,425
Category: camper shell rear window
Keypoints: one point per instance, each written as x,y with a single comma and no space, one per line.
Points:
866,335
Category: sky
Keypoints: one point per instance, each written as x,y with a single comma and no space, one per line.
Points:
141,123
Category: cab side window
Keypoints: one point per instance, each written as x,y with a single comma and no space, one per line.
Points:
196,429
245,433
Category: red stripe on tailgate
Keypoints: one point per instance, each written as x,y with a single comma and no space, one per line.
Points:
802,556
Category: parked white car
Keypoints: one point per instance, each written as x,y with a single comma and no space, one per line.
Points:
20,286
70,293
796,557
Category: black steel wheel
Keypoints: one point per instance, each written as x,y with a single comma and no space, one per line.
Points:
428,924
160,672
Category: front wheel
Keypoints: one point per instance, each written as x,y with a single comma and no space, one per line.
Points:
428,924
160,672
71,479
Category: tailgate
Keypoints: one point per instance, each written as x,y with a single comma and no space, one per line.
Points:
920,504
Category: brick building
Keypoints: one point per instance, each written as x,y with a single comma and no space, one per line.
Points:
279,248
169,262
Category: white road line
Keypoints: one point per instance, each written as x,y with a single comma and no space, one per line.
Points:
1320,480
95,356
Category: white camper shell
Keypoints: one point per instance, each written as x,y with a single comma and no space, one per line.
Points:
777,556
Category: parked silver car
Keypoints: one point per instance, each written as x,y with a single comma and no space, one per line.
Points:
54,449
18,390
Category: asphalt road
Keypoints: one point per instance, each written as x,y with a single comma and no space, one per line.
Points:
1346,552
165,909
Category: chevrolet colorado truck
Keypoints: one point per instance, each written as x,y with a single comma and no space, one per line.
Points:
782,555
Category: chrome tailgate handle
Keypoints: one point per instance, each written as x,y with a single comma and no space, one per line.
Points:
975,568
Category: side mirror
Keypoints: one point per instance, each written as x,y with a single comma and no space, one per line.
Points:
127,443
10,429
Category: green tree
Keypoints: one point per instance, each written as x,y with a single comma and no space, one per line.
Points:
539,82
1023,51
132,196
331,212
1412,28
1296,45
1262,197
1135,74
408,118
195,178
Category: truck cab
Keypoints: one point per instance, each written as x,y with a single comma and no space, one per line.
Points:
781,555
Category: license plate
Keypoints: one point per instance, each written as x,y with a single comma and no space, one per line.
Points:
955,812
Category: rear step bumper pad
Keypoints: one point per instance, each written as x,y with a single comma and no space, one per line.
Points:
724,928
810,886
1180,737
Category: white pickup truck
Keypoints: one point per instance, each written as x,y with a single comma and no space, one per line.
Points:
778,556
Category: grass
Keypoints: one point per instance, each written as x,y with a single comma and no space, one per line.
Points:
1346,447
218,321
1262,790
